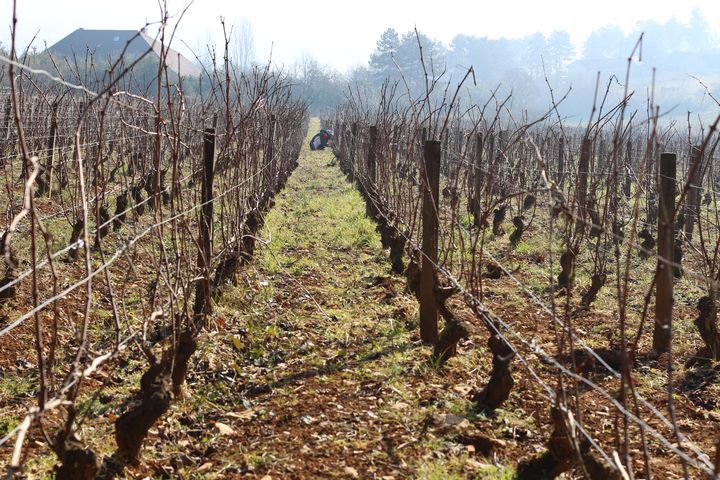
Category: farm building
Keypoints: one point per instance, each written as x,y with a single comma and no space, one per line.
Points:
109,45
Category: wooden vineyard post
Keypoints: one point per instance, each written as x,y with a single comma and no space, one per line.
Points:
371,158
601,157
627,186
560,178
271,154
353,156
430,226
80,112
51,149
583,168
692,199
478,177
662,334
6,119
492,167
202,293
445,155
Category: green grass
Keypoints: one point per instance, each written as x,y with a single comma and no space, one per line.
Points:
312,323
7,425
311,293
497,473
13,386
438,471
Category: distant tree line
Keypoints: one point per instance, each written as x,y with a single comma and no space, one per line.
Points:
524,69
528,67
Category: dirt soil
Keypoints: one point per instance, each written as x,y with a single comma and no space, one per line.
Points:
315,368
312,368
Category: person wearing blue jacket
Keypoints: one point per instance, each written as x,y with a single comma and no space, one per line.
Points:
320,140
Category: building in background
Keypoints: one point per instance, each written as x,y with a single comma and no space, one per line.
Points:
108,45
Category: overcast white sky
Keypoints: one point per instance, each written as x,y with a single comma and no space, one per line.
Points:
343,33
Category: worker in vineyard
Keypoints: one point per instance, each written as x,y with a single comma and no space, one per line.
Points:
321,139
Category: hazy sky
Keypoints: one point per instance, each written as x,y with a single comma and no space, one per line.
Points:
343,33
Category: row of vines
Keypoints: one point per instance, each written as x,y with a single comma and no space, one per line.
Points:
124,215
586,257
